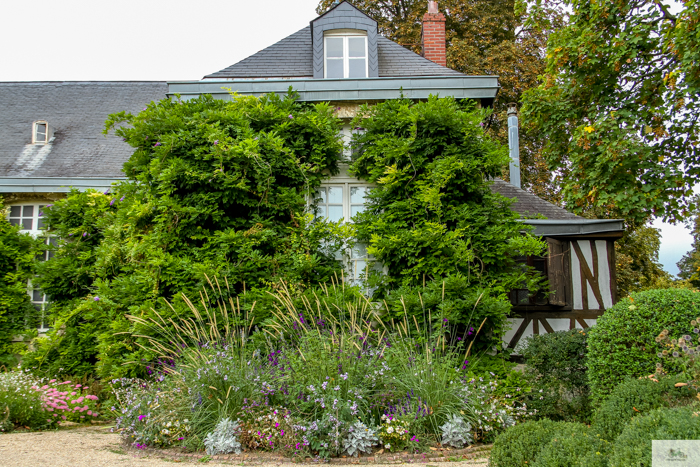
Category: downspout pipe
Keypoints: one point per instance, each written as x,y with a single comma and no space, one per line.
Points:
514,144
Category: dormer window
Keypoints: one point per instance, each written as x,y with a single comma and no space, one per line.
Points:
41,133
345,54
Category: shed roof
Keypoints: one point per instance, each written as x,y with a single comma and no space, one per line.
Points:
76,112
529,205
292,57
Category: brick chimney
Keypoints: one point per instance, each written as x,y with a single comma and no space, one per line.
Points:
434,35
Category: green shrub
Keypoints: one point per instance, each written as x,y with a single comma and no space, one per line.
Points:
622,342
556,370
521,444
574,445
20,403
637,397
633,446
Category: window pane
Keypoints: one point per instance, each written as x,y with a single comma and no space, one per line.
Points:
37,295
357,68
335,195
357,194
360,268
28,211
334,47
14,221
40,132
41,224
53,241
26,224
37,306
322,195
334,68
15,211
356,47
335,213
359,251
51,254
321,211
356,208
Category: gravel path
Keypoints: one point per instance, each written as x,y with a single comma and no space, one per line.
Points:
96,447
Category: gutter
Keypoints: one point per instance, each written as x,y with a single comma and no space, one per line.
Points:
54,184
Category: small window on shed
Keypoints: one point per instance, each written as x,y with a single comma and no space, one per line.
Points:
41,133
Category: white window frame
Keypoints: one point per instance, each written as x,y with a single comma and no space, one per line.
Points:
35,125
35,231
345,34
37,215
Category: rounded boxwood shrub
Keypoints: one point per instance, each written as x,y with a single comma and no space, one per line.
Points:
574,445
556,370
520,445
633,446
622,342
636,397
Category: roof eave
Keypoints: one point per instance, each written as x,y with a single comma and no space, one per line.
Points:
574,227
54,184
361,89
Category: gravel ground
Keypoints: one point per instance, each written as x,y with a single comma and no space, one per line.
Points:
95,446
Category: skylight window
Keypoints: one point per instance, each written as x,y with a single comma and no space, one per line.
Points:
41,133
345,55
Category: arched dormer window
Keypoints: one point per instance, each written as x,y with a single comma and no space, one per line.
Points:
345,54
40,132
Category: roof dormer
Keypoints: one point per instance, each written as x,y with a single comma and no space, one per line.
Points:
344,44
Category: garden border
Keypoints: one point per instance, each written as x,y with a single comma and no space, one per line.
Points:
441,455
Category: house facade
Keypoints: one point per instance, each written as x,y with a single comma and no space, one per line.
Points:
51,140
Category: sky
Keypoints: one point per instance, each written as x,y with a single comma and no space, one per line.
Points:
158,40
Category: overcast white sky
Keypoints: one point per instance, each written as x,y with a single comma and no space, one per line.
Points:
79,40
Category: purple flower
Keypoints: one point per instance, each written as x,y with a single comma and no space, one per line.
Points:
157,144
290,116
145,108
84,234
141,417
121,199
97,299
106,192
216,141
111,202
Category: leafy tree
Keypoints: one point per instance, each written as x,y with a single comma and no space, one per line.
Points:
16,268
618,107
501,37
689,265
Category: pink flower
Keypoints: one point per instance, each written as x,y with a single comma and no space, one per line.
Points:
63,417
52,381
73,393
80,399
89,412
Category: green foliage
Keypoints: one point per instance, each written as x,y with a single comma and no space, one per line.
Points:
16,268
689,265
521,444
633,446
618,107
574,445
636,397
431,213
215,187
557,371
622,343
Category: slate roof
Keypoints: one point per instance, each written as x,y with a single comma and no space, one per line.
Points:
292,57
76,111
529,205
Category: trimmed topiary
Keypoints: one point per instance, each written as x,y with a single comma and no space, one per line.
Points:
637,397
574,445
622,342
521,444
633,446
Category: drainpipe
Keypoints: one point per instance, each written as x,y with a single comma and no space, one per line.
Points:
514,144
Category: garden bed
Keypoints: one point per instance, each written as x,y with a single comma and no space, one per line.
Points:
257,457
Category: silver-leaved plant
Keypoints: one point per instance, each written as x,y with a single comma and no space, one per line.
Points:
360,438
223,440
456,432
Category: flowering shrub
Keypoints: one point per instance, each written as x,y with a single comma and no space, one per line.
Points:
266,428
394,433
223,439
26,400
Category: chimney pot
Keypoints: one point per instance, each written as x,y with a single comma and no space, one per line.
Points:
432,7
514,144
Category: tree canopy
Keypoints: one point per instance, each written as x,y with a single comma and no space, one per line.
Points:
618,107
